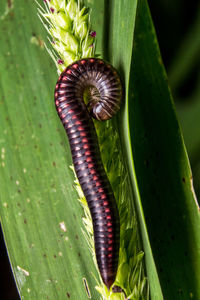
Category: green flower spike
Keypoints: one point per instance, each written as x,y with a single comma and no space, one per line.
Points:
68,26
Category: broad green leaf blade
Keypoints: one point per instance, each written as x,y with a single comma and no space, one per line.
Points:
40,214
162,169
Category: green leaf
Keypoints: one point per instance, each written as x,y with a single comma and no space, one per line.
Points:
163,173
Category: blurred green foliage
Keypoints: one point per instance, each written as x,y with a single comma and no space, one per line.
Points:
177,25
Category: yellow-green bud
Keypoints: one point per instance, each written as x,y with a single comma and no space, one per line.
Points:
121,276
59,47
88,52
63,20
68,57
88,41
60,19
68,39
88,46
72,8
56,4
81,24
81,30
83,15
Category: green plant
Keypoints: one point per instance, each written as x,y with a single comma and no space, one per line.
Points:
40,213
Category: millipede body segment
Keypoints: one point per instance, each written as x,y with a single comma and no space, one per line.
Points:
99,82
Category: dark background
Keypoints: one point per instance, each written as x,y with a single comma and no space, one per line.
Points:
177,24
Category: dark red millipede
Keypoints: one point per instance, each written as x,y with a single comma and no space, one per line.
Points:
99,83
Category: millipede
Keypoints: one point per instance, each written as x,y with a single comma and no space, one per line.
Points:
92,88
